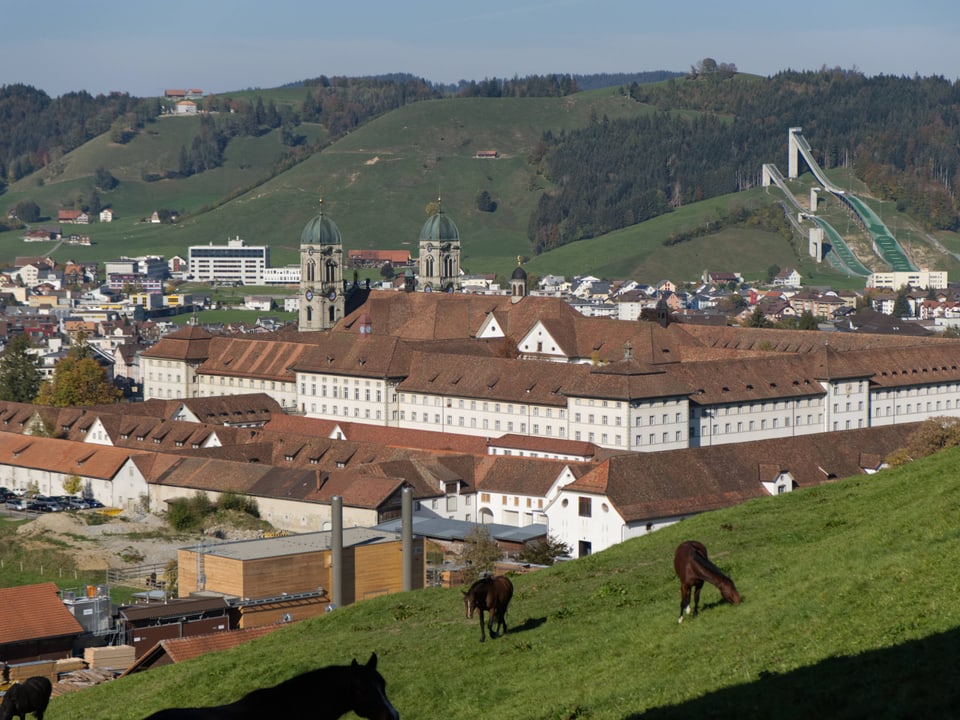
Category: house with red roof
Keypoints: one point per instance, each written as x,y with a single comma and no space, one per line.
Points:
35,624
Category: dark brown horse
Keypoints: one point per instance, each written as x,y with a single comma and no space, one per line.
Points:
328,693
491,594
693,567
30,696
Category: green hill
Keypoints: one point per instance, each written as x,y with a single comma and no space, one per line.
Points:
849,610
377,181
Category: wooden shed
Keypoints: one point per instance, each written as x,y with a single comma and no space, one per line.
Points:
288,578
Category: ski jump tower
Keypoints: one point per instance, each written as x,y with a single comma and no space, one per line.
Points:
793,153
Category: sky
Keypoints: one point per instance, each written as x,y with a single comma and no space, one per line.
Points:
217,46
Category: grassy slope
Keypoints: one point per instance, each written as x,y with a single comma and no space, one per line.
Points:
849,611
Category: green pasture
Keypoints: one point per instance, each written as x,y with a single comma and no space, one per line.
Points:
848,611
377,181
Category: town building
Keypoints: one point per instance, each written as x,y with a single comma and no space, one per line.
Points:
923,279
235,263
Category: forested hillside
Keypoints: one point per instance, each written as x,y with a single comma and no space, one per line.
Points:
36,130
713,134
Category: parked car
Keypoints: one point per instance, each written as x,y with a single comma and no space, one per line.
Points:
44,505
17,503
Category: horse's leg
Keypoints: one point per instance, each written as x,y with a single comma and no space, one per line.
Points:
483,636
684,600
698,586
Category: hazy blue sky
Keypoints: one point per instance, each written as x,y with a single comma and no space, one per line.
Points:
221,45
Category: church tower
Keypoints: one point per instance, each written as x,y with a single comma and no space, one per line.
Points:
518,283
322,299
439,261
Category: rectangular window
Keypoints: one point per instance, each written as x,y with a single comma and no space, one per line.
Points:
586,509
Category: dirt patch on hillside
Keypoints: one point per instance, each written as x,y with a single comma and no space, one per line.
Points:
99,542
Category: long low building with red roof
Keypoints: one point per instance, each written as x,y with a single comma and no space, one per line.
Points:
487,366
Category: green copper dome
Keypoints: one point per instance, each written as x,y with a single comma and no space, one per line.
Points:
439,228
321,230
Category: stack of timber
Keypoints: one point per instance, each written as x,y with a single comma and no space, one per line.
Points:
114,657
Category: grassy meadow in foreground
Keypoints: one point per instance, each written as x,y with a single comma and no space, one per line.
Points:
850,610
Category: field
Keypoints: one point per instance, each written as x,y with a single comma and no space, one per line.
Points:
848,612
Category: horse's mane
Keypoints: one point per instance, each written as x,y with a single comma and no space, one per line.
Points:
704,562
480,581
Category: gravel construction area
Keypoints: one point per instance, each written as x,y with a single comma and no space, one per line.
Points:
116,542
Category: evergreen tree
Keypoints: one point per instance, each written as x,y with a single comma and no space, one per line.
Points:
807,321
20,375
901,306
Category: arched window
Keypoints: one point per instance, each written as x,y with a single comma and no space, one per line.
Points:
311,271
309,314
428,267
331,272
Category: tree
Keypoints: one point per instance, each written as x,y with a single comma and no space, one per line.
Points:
901,306
480,554
757,319
20,375
544,552
27,211
486,203
78,380
104,179
807,321
72,484
386,271
932,436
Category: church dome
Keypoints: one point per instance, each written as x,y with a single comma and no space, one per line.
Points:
519,274
439,228
321,230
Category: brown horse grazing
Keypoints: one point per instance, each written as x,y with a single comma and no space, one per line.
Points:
493,595
323,694
693,567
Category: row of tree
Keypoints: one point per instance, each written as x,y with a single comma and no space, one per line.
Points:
78,380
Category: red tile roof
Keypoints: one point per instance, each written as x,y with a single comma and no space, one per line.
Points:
29,612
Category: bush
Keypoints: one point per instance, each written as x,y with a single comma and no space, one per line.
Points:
241,503
187,514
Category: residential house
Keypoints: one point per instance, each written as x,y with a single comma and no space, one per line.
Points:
185,107
263,303
788,277
74,217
